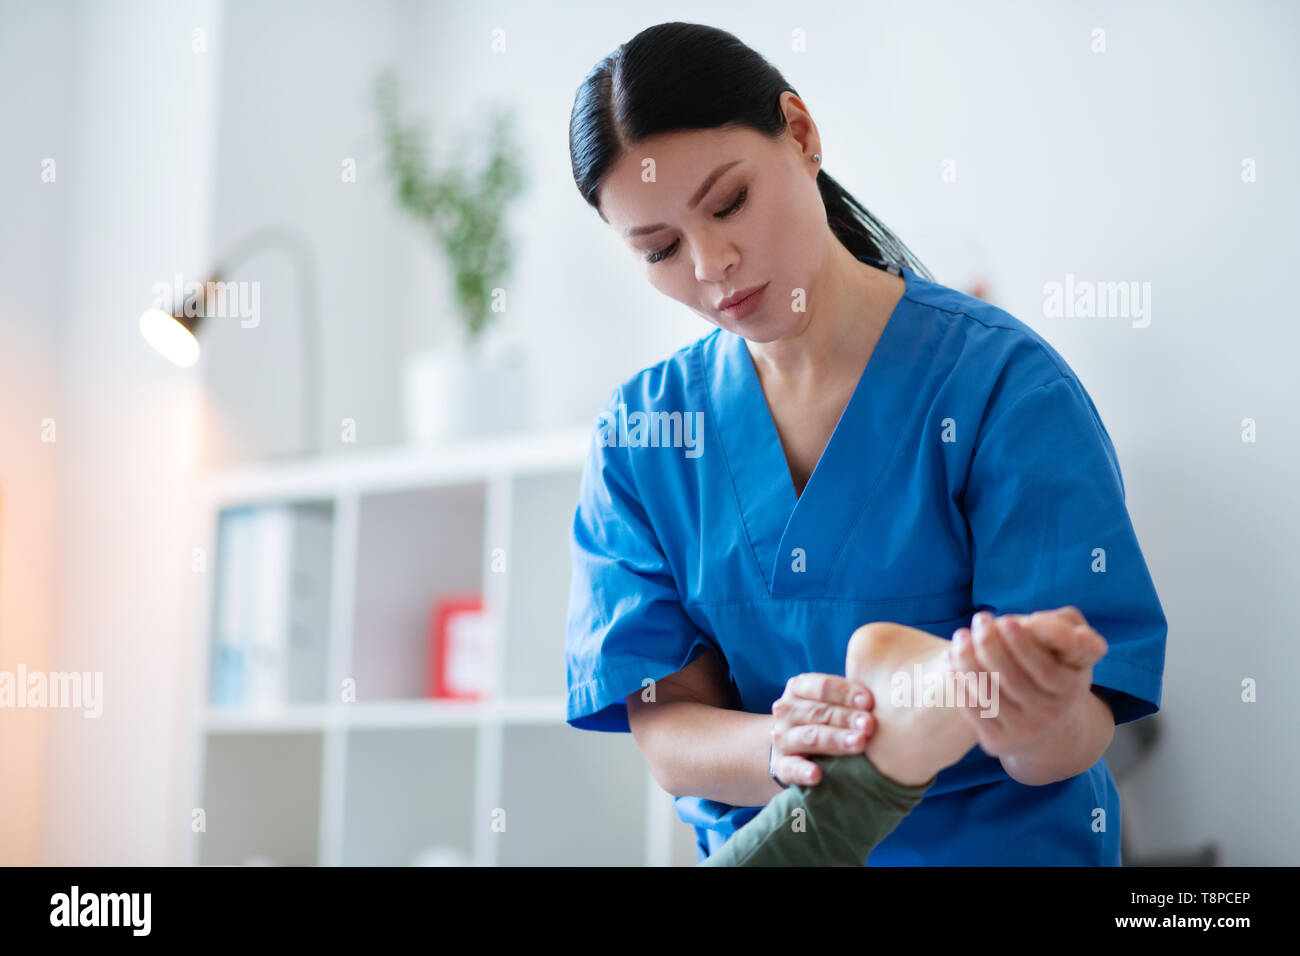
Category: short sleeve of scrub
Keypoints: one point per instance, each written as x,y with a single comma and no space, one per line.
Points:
626,622
1045,503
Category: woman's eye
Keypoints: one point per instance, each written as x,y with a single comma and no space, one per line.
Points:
736,204
667,251
662,253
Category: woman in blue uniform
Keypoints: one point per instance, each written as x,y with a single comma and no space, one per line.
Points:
853,443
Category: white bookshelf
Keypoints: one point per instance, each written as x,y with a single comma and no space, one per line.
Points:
376,781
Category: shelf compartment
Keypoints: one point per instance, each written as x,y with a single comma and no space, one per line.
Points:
412,547
537,583
571,799
261,797
406,791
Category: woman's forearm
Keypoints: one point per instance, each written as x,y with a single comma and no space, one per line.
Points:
700,750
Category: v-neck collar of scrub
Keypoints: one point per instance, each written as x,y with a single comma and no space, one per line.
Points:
796,539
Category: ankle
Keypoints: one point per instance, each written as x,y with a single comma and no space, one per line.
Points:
911,743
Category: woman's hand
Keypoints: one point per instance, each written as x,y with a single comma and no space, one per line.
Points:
1043,663
818,714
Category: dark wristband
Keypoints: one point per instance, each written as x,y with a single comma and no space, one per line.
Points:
780,782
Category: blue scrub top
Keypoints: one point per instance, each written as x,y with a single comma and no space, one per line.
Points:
970,470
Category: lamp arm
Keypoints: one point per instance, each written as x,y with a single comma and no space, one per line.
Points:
304,261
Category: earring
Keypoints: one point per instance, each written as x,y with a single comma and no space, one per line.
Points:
817,157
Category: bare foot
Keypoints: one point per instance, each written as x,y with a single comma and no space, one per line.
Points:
911,744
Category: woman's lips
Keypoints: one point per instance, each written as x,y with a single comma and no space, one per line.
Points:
746,305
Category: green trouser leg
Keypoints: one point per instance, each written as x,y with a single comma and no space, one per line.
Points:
835,823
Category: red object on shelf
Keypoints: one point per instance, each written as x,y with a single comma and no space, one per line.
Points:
457,651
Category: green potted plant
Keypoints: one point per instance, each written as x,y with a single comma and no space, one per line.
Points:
462,388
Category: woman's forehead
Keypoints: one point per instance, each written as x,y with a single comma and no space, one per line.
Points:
689,148
670,168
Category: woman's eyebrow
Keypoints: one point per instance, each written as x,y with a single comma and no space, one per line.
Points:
695,200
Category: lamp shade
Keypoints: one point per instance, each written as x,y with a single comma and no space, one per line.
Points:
172,336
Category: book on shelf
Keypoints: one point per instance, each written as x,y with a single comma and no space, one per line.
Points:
271,607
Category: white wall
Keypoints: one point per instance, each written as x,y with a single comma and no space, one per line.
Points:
1111,166
133,186
36,100
295,102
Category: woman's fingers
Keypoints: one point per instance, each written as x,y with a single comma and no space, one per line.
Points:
1071,614
817,739
1032,648
1085,648
818,714
831,688
1074,645
802,711
794,769
990,649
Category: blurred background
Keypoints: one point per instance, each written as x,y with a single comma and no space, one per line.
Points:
312,584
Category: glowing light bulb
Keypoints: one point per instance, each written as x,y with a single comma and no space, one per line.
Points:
169,337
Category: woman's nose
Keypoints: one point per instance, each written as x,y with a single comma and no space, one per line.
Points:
713,264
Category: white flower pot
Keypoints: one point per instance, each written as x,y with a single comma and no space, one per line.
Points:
463,392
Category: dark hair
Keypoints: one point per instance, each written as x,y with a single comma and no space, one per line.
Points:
652,85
